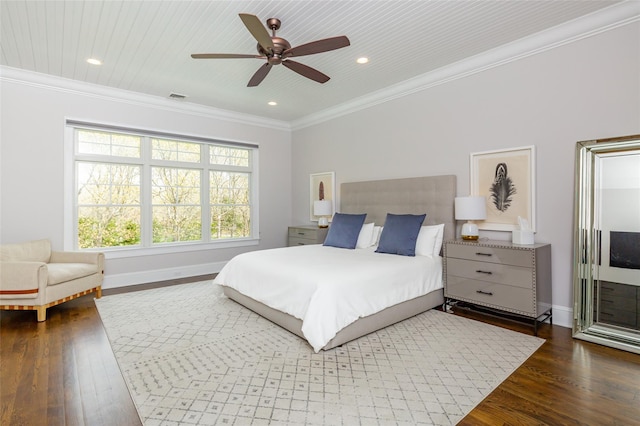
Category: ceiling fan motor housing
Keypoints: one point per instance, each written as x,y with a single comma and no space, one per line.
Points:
279,46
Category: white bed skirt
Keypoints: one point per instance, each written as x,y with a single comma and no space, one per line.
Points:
359,328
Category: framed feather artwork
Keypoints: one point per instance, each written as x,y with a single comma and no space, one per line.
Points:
506,178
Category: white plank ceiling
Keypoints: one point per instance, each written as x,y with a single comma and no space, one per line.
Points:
145,46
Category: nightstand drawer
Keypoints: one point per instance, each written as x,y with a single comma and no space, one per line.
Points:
505,256
303,235
494,272
308,233
505,297
617,317
295,241
612,303
608,288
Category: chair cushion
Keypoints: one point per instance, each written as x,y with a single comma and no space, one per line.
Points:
32,251
63,272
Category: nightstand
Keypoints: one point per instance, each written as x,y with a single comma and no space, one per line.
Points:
617,304
303,235
504,277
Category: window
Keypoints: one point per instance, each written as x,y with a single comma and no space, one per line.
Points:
140,190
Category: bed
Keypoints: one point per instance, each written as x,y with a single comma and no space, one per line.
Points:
363,297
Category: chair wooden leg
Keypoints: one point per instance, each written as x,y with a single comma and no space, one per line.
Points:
42,313
99,293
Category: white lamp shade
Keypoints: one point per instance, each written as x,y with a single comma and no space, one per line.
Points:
322,208
470,208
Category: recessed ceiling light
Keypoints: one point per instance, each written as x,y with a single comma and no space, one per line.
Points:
94,61
362,60
273,103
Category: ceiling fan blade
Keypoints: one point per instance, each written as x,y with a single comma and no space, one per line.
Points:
223,56
259,75
257,30
306,71
318,46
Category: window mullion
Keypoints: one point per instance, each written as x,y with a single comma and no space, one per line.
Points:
146,209
204,194
253,192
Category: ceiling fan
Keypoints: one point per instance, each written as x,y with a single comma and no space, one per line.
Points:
277,50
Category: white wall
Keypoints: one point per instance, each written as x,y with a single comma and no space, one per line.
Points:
584,90
33,114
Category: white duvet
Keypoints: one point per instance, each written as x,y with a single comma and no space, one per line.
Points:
328,288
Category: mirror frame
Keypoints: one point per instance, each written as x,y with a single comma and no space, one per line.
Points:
586,242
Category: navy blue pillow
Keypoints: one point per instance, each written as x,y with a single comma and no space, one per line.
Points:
344,230
400,234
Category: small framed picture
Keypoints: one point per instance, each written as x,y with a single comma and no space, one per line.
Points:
321,188
506,178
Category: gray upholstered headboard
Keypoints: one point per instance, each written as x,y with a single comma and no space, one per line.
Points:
433,195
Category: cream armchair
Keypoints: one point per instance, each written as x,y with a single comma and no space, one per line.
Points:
33,277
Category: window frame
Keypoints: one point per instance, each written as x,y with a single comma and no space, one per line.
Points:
146,162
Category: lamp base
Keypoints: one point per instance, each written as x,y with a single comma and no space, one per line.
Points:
469,231
323,222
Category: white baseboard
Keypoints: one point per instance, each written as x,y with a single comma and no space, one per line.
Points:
143,277
562,316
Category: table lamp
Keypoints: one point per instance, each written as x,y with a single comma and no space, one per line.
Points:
470,209
323,209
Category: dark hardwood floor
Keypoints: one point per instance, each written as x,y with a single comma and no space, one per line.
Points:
565,382
63,372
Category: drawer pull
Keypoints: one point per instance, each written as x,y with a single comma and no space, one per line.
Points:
300,244
484,272
300,233
483,254
488,293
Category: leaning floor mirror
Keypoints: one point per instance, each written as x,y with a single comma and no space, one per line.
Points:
606,273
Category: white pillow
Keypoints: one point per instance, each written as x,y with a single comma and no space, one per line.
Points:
438,244
429,240
365,238
377,230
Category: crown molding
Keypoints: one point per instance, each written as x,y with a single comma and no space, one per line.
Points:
60,84
595,23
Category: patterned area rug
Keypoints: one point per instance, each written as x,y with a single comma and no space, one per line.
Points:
190,356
